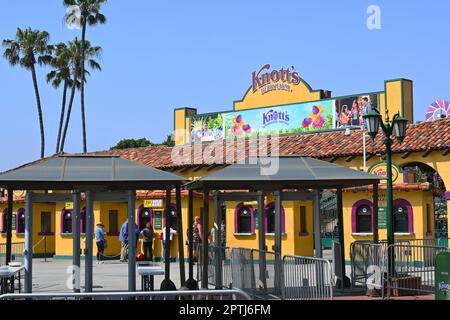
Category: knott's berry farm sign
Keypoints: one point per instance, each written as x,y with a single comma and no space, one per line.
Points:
380,169
266,80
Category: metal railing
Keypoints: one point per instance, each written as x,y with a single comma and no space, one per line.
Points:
242,271
267,272
307,278
413,271
216,256
17,252
164,295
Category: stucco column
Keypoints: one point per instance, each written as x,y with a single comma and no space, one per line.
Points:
131,241
29,242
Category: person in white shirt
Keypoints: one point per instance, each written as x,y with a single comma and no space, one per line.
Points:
172,232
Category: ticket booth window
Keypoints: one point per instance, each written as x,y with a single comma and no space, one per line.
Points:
173,217
145,216
66,225
244,219
20,221
364,219
400,219
270,219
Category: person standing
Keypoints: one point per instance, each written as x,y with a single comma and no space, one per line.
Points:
196,236
147,240
123,238
100,241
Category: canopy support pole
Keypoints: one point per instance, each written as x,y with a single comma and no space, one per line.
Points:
180,237
278,238
205,231
76,233
218,249
191,283
167,284
340,215
262,239
131,241
29,242
9,226
88,254
316,214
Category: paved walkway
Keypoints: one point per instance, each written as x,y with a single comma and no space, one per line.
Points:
53,276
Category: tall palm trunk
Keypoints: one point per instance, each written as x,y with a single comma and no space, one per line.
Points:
69,111
38,101
61,120
83,114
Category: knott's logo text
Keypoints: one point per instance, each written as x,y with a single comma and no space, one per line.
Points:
444,287
273,116
266,80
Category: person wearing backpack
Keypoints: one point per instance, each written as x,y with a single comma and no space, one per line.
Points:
147,239
123,237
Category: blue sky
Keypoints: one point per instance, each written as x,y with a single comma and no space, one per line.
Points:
159,55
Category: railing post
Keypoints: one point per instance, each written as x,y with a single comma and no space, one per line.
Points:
9,226
76,236
205,231
29,242
262,239
218,251
131,240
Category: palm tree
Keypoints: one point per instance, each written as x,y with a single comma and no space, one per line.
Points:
30,47
90,14
74,62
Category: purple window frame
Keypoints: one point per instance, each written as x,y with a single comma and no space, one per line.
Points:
141,209
82,221
269,207
236,217
407,204
4,213
20,212
355,207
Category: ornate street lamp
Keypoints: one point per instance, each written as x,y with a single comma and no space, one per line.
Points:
398,128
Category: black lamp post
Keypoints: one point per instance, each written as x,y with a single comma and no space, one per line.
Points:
398,128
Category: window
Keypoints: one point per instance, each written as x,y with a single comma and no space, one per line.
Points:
66,221
20,228
145,215
113,222
364,219
46,223
303,226
173,217
403,216
4,220
270,219
400,219
244,219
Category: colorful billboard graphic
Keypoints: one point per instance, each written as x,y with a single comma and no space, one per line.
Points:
350,110
207,128
294,118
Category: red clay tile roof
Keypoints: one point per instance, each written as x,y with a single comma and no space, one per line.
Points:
432,136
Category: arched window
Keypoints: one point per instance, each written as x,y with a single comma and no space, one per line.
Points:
173,217
20,226
270,218
362,217
4,218
403,216
244,219
145,215
66,221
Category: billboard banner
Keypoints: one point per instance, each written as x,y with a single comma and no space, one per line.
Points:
350,110
294,118
206,128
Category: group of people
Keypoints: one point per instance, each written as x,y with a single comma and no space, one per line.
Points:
353,116
147,235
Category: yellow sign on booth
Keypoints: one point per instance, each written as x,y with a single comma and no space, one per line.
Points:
154,203
69,205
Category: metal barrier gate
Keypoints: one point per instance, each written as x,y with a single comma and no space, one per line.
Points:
17,254
413,272
307,278
216,256
366,258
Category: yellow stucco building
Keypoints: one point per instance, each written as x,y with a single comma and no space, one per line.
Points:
309,123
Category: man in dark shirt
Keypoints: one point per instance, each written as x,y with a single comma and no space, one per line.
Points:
147,238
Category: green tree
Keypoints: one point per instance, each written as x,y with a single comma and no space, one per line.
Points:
169,141
90,15
73,57
28,48
131,143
